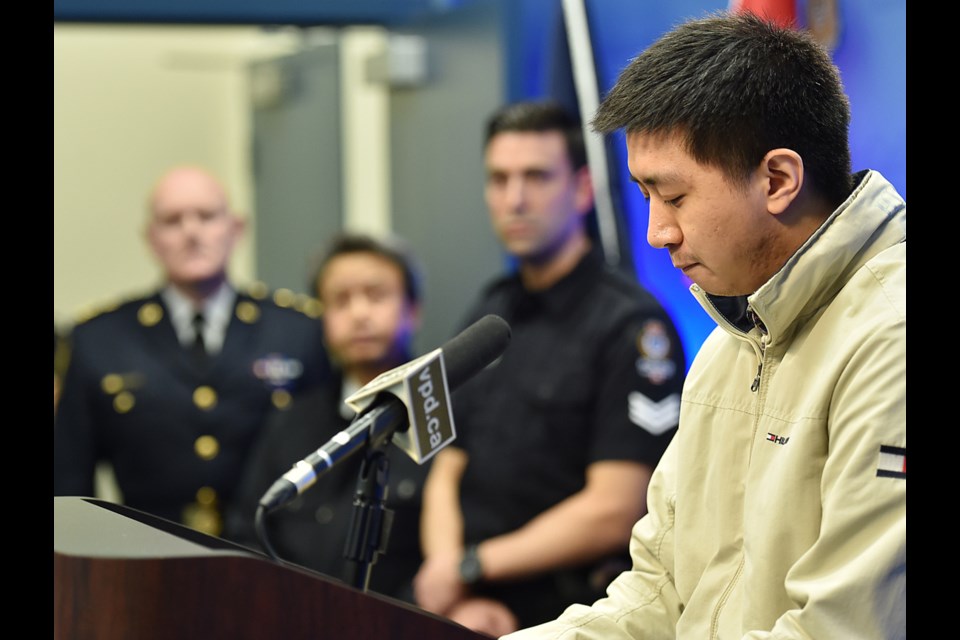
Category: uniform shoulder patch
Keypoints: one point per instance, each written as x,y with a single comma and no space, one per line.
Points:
655,349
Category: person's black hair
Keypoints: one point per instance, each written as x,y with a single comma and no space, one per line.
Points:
540,116
390,248
735,86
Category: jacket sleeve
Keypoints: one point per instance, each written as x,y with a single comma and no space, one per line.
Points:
642,602
852,581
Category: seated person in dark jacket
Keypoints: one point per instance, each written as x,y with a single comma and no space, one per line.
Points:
368,289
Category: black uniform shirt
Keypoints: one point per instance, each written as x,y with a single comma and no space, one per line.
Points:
593,372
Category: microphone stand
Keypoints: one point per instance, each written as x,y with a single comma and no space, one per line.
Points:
371,521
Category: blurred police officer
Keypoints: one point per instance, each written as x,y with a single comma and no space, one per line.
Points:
530,509
172,388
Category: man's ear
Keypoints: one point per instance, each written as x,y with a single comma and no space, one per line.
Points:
238,228
783,171
239,223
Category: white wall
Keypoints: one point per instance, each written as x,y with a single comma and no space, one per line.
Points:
129,101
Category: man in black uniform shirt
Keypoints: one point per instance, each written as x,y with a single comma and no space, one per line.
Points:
531,508
172,388
369,290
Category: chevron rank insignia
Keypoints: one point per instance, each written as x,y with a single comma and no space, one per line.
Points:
654,417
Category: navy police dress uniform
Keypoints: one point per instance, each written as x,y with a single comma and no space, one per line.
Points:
176,431
593,372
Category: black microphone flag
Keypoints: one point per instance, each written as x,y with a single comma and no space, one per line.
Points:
421,385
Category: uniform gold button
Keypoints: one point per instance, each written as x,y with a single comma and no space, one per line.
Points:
150,314
206,447
123,402
281,398
111,383
313,308
284,297
248,312
206,496
205,397
258,290
206,521
204,517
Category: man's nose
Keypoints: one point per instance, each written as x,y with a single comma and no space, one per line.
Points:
515,193
191,222
662,230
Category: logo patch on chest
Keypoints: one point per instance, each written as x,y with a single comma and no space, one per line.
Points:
276,370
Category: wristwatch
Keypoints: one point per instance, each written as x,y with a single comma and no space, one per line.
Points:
470,570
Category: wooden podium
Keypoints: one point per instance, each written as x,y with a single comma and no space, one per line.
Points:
121,574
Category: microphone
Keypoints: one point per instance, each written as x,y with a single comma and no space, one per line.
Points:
409,404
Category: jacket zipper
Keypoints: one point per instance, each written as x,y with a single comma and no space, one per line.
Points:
763,345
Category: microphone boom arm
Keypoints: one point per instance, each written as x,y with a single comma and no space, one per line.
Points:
381,422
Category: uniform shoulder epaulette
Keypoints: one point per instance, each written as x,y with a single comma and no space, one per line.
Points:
256,290
285,299
307,305
93,310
